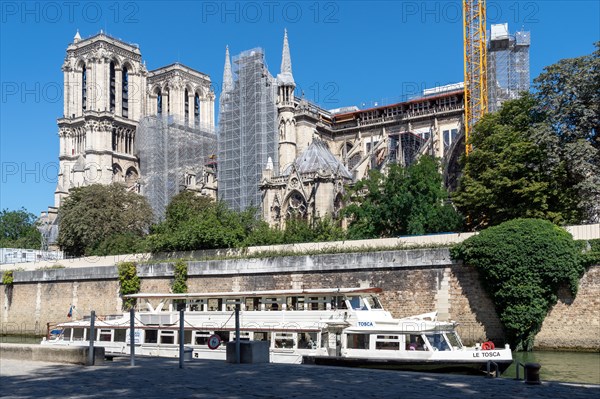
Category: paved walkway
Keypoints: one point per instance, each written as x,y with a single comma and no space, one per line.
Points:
161,378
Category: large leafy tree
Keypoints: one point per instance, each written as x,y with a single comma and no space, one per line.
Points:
568,95
408,200
102,216
18,230
514,170
538,156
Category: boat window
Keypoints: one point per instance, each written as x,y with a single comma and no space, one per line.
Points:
414,343
105,335
78,334
215,304
201,338
244,335
358,341
291,303
272,303
120,335
67,334
356,303
195,305
454,340
387,342
262,336
307,340
284,340
224,335
252,304
87,334
438,342
187,337
373,302
151,336
338,302
317,303
231,302
167,337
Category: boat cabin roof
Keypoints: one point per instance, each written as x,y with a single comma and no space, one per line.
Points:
316,291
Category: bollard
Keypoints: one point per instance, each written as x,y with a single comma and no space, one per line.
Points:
532,373
132,337
92,337
181,337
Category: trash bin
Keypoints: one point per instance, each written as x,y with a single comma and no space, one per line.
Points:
532,373
187,353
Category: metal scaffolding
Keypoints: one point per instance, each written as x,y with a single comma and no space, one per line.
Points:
169,151
247,131
508,65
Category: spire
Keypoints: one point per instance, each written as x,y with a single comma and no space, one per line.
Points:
227,76
286,77
77,37
286,60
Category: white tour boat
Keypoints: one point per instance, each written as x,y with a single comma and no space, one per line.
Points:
325,326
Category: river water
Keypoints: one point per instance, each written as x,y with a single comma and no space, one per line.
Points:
556,366
560,366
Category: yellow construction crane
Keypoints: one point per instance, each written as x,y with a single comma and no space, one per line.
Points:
475,46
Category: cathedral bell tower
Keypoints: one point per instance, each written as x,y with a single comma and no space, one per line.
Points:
285,107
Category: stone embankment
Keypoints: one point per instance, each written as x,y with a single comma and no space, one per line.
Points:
43,353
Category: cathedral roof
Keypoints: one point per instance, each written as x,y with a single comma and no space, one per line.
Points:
318,158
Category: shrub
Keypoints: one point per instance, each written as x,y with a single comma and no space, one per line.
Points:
522,264
129,282
180,273
8,278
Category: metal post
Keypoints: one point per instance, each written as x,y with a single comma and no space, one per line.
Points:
181,336
92,337
237,333
132,337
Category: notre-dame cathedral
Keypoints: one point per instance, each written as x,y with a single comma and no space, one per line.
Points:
273,149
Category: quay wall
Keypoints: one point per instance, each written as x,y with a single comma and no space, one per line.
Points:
413,281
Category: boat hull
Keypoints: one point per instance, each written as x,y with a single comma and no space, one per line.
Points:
440,366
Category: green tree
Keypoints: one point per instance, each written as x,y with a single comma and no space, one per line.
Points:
195,222
18,230
568,95
522,264
102,216
514,170
406,201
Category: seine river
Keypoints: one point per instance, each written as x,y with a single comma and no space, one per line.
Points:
556,366
560,366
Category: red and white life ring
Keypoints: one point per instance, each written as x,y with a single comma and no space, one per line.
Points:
488,346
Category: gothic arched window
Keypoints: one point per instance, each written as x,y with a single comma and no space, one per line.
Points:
186,101
159,102
297,207
197,109
125,99
84,88
113,87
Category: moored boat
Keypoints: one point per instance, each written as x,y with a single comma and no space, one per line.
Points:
326,326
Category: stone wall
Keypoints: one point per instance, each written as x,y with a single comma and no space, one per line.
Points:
413,282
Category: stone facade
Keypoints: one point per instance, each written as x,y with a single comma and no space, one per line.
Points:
413,282
107,92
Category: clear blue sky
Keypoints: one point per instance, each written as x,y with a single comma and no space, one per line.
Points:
343,53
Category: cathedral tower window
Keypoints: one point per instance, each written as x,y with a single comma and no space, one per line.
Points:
112,87
159,102
83,88
186,100
114,139
125,101
197,109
